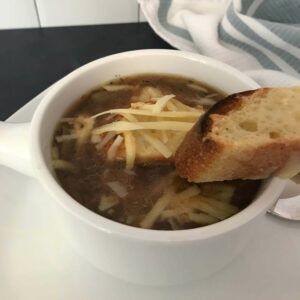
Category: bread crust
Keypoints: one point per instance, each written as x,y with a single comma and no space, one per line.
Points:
195,154
201,158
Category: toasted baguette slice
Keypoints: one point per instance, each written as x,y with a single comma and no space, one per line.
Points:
249,135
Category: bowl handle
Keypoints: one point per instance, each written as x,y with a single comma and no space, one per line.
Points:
14,147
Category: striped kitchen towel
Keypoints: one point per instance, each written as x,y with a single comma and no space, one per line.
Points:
259,37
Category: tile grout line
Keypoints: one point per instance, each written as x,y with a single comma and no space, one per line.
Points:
37,13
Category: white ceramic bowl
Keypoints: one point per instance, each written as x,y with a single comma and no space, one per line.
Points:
135,254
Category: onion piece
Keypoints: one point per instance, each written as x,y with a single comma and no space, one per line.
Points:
119,189
129,172
117,87
54,153
84,131
212,95
60,164
107,202
206,101
66,137
66,120
173,224
105,140
197,87
202,218
171,106
95,138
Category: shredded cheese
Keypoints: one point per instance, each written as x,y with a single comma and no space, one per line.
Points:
66,137
121,126
130,148
112,151
117,87
107,202
142,105
60,164
202,218
105,140
226,207
156,210
119,189
188,193
164,136
189,205
171,106
205,205
147,93
182,106
95,138
129,117
165,114
156,144
197,87
129,219
161,103
168,213
83,131
161,122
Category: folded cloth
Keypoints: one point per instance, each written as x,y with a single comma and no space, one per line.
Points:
259,37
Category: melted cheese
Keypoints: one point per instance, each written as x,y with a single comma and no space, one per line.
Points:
157,144
130,149
112,151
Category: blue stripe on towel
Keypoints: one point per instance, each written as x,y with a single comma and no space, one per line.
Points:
164,6
235,21
281,11
288,33
245,5
263,59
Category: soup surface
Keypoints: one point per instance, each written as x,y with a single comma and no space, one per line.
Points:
113,152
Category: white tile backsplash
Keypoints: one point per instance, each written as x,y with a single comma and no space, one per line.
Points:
17,14
83,12
45,13
142,17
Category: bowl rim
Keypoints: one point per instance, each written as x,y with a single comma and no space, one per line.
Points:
273,186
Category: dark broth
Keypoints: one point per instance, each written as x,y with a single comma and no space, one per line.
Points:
93,180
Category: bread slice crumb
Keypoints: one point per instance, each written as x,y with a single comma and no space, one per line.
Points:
248,135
